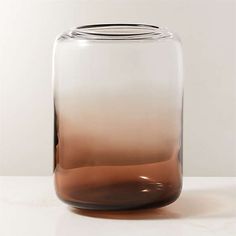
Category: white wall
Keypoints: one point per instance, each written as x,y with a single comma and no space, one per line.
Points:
27,32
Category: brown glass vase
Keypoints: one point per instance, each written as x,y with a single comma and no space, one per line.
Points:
118,96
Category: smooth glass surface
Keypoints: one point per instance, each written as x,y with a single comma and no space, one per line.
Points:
118,116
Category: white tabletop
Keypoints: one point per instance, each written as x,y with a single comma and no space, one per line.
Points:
29,207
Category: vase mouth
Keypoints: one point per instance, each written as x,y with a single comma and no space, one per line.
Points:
116,32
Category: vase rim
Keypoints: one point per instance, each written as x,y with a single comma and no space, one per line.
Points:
117,32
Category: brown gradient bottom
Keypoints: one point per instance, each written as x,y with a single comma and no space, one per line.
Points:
120,187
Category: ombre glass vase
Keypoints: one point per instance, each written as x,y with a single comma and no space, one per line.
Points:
118,95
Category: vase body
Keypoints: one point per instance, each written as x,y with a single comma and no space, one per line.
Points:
118,95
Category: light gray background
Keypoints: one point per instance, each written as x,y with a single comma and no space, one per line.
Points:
27,31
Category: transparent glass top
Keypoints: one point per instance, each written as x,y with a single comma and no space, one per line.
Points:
116,32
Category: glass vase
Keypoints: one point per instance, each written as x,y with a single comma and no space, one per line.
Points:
118,95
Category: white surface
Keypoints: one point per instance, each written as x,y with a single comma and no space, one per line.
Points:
28,206
27,31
